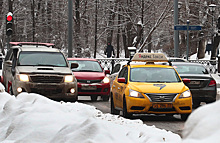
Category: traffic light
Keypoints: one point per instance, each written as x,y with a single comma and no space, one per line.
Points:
9,23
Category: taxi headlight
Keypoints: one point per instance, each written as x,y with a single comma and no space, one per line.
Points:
133,93
106,80
68,78
185,94
23,77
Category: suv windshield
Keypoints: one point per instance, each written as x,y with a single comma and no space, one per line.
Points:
154,75
87,66
35,58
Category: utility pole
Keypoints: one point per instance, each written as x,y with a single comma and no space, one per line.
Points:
176,32
96,13
70,27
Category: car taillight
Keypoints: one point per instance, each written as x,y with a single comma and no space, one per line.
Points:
212,83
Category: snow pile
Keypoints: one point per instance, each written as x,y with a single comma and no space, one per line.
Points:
32,118
203,125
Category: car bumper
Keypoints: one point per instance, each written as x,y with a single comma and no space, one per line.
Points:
50,90
204,94
93,89
144,106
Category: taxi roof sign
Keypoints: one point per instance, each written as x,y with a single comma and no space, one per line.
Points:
149,57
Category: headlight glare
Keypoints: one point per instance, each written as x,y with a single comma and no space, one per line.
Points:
185,94
106,80
133,93
68,78
23,77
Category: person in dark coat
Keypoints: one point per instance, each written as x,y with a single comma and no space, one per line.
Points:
109,50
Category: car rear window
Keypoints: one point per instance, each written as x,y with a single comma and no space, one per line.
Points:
86,66
191,69
30,58
146,74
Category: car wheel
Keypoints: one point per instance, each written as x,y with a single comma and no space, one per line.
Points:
113,110
124,112
105,97
74,99
94,97
184,116
196,104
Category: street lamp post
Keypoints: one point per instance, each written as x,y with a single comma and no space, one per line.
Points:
212,9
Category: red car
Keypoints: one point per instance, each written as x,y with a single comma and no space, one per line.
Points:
91,78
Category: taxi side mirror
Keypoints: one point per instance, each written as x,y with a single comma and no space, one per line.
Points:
186,80
121,80
74,65
107,71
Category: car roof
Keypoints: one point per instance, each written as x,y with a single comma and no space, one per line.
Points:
151,65
34,46
81,59
31,43
186,63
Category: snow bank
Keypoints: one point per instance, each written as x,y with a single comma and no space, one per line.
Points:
32,118
203,125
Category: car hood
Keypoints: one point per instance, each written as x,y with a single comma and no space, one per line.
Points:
89,75
159,87
43,70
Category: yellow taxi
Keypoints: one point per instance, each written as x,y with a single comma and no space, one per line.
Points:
150,88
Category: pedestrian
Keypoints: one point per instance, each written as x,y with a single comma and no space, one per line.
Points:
109,50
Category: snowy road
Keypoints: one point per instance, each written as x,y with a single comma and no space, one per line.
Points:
169,123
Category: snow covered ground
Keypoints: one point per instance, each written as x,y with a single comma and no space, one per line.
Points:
32,118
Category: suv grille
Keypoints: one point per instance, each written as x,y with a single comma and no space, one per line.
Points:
161,97
46,79
88,81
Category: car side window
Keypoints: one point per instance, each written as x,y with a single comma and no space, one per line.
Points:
123,73
116,68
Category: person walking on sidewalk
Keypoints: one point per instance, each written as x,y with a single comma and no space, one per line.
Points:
109,50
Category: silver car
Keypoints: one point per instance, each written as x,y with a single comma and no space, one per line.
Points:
38,68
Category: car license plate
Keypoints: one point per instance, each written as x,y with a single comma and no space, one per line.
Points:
195,82
163,105
88,87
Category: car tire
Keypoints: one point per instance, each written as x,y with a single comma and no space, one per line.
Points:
113,110
73,99
184,116
125,114
94,97
105,97
196,105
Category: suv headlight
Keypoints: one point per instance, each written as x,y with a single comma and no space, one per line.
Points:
106,80
133,93
185,94
68,78
23,77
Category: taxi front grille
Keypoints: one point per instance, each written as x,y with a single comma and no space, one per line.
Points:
46,79
154,97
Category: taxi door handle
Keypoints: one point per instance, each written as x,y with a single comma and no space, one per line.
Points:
118,87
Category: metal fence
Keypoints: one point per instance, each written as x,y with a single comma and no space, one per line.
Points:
109,63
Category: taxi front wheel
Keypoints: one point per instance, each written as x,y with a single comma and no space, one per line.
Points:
124,112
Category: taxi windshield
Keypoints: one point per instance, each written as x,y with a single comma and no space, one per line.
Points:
154,74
